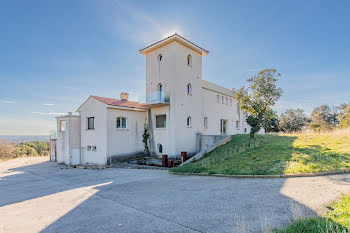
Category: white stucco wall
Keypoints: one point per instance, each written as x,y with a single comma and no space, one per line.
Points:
68,140
215,111
94,137
123,142
161,135
174,74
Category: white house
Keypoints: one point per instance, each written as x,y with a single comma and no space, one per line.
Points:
180,110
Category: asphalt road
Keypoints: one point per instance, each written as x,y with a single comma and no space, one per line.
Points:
39,196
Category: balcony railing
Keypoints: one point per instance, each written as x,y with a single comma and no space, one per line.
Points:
53,134
157,97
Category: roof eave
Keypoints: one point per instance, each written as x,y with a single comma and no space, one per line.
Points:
170,39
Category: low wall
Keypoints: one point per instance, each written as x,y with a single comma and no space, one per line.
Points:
218,139
207,141
124,157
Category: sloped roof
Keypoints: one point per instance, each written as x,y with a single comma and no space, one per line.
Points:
121,103
174,37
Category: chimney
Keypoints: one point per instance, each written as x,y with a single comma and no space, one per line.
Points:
124,96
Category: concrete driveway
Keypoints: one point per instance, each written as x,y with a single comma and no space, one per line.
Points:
37,195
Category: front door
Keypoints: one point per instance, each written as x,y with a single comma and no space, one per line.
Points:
223,124
75,159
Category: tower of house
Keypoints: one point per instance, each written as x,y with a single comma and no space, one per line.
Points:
173,92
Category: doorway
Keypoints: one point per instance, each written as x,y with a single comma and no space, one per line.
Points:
223,126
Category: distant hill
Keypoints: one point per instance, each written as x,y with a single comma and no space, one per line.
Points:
25,138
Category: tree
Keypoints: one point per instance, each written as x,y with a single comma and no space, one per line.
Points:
257,100
344,115
271,122
292,120
323,117
145,137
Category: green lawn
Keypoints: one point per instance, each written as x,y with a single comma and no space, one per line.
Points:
336,220
276,154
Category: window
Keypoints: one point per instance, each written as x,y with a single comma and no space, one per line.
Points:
188,121
217,99
160,57
88,147
222,99
189,60
91,123
230,102
245,130
160,91
226,101
237,124
121,122
189,89
94,148
206,122
161,121
160,148
62,125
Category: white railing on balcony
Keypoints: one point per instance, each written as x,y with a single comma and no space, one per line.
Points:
53,134
158,97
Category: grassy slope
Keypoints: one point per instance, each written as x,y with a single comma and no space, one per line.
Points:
276,154
337,220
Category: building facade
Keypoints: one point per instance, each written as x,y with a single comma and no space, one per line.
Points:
180,108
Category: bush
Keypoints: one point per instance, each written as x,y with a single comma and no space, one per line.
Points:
6,149
10,150
25,151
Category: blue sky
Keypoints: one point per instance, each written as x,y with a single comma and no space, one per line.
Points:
54,54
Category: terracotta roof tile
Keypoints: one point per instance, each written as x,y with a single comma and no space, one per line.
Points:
120,103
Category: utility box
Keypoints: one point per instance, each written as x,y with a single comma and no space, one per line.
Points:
68,140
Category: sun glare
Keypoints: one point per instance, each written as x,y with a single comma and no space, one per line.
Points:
169,33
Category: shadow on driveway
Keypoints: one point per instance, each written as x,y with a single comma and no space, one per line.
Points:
44,197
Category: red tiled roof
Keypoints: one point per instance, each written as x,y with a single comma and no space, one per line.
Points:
121,103
173,35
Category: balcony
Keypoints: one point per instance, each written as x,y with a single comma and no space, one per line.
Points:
157,98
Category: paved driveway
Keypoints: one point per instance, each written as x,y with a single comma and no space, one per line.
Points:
36,195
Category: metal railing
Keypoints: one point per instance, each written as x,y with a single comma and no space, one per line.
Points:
53,134
158,97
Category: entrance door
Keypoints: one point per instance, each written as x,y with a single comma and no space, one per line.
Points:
75,159
223,124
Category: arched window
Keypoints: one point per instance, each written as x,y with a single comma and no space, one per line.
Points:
160,57
189,89
188,122
222,99
189,60
217,99
226,101
230,102
160,91
160,148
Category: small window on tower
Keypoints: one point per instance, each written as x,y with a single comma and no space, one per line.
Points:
188,122
189,89
160,57
189,60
